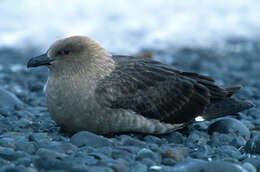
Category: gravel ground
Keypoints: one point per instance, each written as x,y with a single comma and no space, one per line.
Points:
30,141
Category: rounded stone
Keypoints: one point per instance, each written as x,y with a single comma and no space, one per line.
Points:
253,145
214,166
8,99
85,138
229,125
176,153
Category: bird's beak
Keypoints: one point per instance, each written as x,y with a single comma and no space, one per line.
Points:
41,60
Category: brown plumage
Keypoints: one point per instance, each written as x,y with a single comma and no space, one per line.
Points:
90,89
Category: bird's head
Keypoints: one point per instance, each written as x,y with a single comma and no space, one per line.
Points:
70,51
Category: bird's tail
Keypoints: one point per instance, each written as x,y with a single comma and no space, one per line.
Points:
227,106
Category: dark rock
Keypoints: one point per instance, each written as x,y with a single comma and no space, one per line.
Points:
24,145
254,161
214,166
154,139
122,154
227,151
10,154
176,137
202,152
176,153
7,142
148,154
137,166
53,164
218,139
60,147
129,141
85,138
229,125
8,100
249,167
119,166
238,142
98,169
169,161
50,154
5,125
25,161
197,138
253,145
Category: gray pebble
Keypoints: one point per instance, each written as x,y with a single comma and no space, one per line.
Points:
176,137
214,166
227,151
138,167
253,145
229,125
10,154
9,100
24,145
85,138
147,154
176,153
254,161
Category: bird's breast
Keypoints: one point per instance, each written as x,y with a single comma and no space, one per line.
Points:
71,104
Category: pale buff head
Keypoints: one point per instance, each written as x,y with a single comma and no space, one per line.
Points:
69,52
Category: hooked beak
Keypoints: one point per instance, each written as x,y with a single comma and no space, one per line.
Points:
41,60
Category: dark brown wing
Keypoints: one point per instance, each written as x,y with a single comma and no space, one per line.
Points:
153,90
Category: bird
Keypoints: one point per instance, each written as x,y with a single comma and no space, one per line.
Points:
90,89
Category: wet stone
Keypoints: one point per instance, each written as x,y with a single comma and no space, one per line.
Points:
202,152
154,139
176,137
137,166
197,138
26,146
227,151
214,166
176,153
8,100
254,161
218,139
148,154
85,138
253,145
229,125
10,154
249,167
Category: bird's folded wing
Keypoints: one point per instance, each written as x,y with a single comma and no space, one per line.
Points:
153,90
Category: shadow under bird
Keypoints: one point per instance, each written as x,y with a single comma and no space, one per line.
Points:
90,89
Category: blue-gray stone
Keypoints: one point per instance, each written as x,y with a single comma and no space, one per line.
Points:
214,166
85,138
8,100
253,145
229,125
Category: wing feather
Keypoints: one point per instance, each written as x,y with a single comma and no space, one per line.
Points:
154,90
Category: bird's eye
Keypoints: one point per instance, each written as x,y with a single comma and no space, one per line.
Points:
63,52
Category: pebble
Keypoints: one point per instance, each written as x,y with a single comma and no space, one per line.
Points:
253,145
176,153
214,166
137,166
8,100
176,137
229,125
148,154
85,138
255,161
10,155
